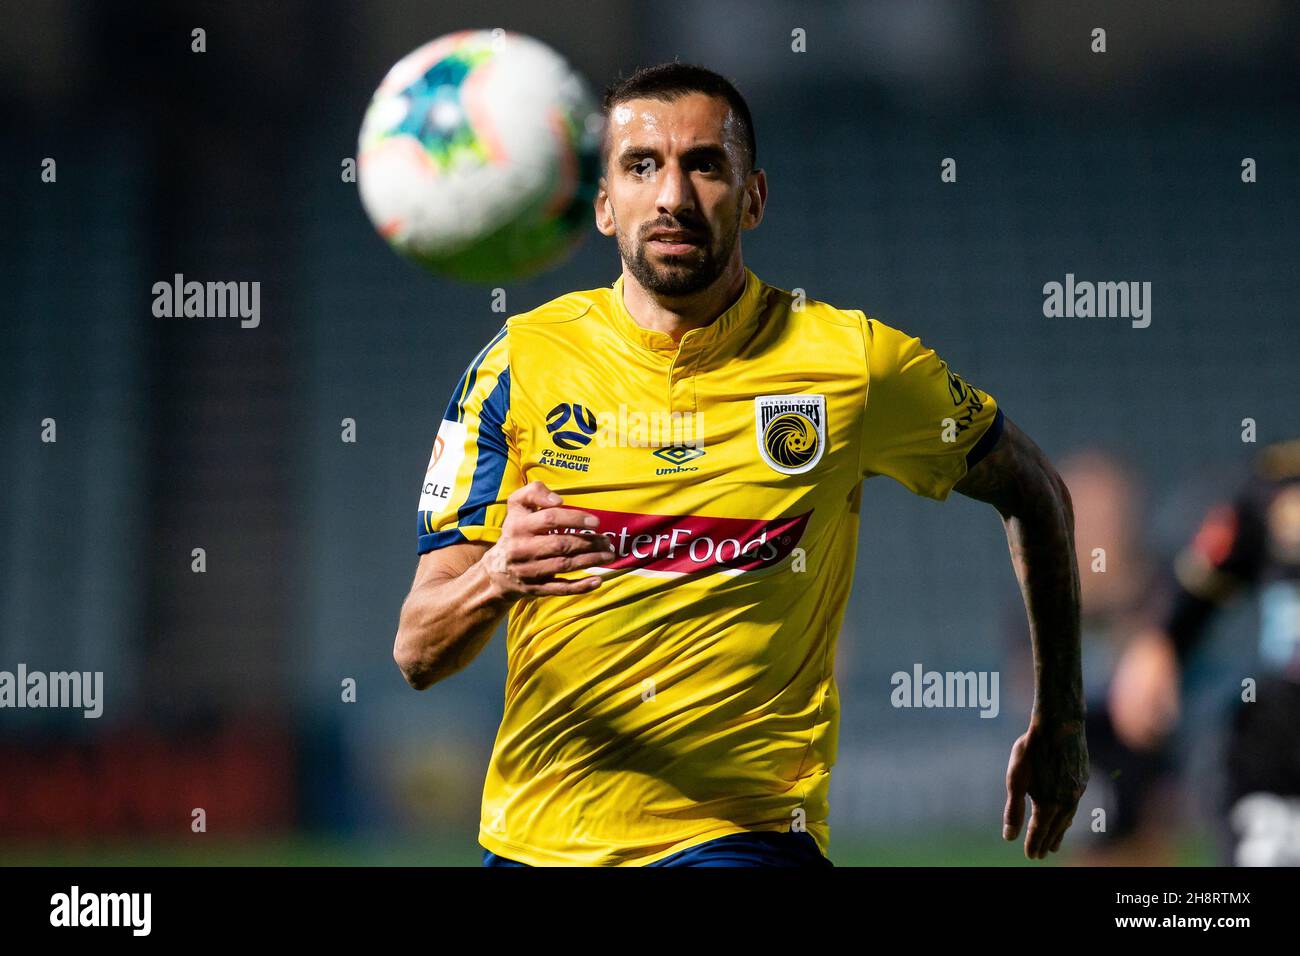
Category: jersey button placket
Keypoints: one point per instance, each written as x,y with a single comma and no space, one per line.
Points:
681,380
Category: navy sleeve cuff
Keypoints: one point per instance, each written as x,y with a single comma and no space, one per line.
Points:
986,442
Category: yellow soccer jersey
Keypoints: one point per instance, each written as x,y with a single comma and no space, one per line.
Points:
692,694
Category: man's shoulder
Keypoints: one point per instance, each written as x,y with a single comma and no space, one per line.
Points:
797,303
564,308
858,337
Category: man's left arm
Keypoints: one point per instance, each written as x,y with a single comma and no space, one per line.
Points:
1049,762
927,428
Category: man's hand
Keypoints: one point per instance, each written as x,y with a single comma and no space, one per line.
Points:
1144,697
531,551
1051,768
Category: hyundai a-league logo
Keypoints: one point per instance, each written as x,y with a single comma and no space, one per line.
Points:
791,431
571,425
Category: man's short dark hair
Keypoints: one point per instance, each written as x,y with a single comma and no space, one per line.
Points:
669,81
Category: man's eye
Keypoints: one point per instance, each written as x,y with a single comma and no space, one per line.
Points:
643,167
706,166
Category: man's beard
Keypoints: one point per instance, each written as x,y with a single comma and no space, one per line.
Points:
678,275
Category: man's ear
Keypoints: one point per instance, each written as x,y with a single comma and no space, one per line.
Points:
755,199
604,210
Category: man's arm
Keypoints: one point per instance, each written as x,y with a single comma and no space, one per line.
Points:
462,592
1049,763
449,615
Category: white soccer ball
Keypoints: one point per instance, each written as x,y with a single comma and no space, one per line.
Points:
479,156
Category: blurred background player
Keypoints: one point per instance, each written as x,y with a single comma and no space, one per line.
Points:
1121,591
1248,544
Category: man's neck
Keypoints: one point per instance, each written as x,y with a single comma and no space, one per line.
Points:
677,316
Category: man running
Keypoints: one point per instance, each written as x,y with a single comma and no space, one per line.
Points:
659,482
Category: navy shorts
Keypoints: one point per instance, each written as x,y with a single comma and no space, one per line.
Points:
757,848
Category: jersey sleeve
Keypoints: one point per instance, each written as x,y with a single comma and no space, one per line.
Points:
923,425
475,461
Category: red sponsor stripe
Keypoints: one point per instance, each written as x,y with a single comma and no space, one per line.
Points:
690,543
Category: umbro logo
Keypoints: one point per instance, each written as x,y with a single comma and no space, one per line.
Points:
678,454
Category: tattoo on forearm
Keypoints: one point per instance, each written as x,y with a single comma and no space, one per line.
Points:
1017,479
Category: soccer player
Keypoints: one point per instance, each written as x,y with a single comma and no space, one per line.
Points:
659,482
1250,542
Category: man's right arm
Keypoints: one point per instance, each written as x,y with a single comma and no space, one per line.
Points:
449,615
462,591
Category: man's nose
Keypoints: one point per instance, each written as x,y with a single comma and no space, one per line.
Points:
675,192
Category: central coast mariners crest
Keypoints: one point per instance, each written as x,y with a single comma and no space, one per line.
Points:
791,431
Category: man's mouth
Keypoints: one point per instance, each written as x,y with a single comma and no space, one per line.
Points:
675,243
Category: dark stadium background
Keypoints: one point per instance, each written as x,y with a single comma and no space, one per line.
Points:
223,689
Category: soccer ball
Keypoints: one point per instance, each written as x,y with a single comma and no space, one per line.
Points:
479,156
